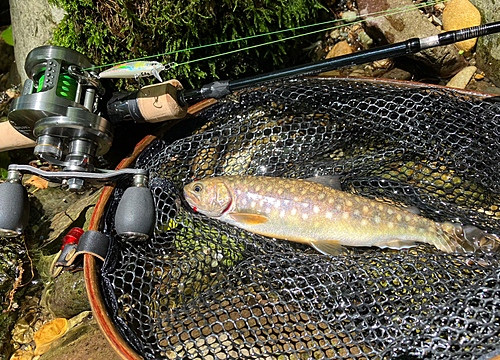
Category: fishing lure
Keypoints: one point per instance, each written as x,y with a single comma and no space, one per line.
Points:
135,69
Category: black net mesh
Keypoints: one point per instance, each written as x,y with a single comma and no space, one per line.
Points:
202,289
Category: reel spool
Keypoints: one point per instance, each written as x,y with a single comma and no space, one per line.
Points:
58,108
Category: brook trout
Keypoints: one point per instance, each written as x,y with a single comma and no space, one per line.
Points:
321,216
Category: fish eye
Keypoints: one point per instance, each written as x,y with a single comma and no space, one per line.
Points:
197,188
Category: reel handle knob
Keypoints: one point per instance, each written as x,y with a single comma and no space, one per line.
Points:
14,208
135,214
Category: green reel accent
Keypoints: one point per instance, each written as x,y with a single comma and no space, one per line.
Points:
66,86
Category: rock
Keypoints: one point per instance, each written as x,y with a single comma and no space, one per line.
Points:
460,14
339,49
492,90
349,16
443,61
82,342
461,79
33,22
67,296
397,74
488,47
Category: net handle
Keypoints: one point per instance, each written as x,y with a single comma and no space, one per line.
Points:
91,267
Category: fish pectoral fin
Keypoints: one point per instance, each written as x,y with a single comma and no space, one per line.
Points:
327,247
249,219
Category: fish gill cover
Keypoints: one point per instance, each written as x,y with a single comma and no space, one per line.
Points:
202,289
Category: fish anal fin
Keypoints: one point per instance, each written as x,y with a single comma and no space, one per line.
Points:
249,219
396,244
327,247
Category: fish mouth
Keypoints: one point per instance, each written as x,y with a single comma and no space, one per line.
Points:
191,199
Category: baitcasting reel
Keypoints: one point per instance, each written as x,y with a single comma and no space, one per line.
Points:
59,108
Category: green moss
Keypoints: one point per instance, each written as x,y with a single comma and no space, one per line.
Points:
108,32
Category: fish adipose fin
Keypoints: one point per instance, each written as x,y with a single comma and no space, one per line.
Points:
327,247
249,219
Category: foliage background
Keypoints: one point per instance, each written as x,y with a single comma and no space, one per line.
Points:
108,31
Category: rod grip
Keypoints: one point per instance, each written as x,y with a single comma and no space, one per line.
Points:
158,102
153,103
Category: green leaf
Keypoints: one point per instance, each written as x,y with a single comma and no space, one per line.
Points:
7,36
4,164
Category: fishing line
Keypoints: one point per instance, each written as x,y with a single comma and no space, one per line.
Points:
381,13
384,13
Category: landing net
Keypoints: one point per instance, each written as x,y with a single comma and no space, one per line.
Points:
202,289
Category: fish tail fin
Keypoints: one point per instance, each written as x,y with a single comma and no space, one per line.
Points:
456,238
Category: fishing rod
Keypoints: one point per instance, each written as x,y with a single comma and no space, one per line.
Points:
219,89
143,105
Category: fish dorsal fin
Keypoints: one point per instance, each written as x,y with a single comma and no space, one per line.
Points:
327,247
331,181
413,209
249,219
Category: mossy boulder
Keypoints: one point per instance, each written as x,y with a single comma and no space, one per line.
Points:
109,32
488,47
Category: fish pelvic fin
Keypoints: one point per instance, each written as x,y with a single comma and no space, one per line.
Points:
327,247
249,219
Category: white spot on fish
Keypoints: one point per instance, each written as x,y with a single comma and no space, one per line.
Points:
411,228
294,212
321,196
408,218
390,225
305,205
338,207
252,204
267,210
356,213
365,209
349,203
277,203
282,214
377,219
329,215
304,216
316,209
280,191
364,222
345,216
331,200
257,188
399,217
390,211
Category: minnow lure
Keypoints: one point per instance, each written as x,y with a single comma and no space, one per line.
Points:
135,69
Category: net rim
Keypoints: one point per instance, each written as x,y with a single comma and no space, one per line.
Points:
92,266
